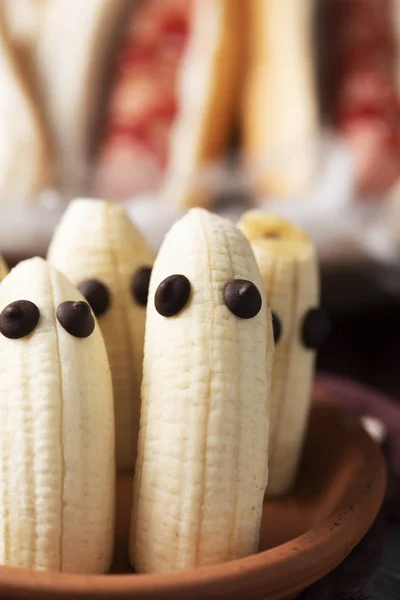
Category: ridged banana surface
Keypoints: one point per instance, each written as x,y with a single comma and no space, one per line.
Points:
201,470
97,241
57,464
288,264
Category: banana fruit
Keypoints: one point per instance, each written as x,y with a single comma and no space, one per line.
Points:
3,268
201,470
57,470
288,264
98,248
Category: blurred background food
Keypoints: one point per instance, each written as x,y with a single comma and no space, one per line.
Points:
291,105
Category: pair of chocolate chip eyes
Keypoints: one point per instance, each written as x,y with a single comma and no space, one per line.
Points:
99,297
244,300
241,297
314,329
19,319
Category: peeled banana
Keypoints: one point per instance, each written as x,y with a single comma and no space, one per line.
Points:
201,470
101,252
3,268
57,465
288,264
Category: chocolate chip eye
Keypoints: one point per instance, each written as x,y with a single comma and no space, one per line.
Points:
242,298
172,295
19,319
76,318
315,329
276,327
140,285
97,294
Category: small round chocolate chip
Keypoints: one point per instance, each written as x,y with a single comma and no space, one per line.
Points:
315,329
172,295
276,327
140,285
242,298
76,318
19,319
97,294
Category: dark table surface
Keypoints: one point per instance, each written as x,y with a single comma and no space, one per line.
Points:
385,583
364,305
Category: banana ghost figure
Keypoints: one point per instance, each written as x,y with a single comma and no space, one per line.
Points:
99,249
57,463
201,470
3,268
288,264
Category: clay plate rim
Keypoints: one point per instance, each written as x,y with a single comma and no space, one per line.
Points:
280,571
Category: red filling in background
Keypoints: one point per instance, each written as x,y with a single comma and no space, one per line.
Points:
367,107
143,104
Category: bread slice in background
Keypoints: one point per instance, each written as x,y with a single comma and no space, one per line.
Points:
209,91
76,63
280,112
72,61
24,20
25,165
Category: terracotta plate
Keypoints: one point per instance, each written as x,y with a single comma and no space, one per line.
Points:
304,535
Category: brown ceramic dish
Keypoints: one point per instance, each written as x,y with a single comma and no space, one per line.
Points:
304,535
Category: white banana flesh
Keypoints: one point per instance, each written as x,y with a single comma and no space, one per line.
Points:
288,264
57,466
202,463
3,268
96,240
